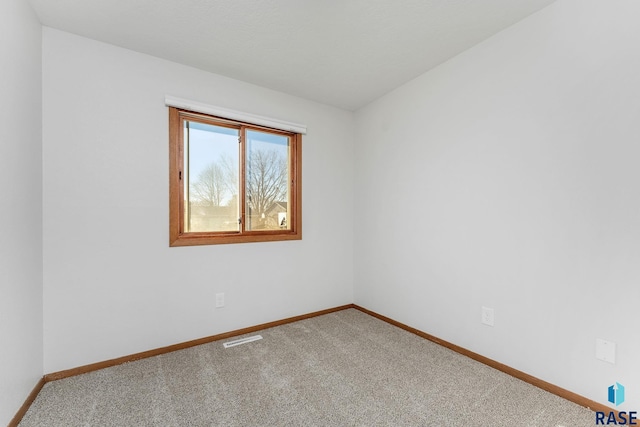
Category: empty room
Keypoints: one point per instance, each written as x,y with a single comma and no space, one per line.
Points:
237,213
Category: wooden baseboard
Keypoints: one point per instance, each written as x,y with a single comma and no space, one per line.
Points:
27,403
162,350
551,388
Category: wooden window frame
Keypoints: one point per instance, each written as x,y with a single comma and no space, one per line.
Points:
177,235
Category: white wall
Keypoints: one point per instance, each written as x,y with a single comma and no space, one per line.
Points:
508,177
20,205
112,285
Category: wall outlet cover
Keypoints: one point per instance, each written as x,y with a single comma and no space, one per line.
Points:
487,316
605,350
220,300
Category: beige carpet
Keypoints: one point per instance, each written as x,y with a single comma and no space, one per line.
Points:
340,369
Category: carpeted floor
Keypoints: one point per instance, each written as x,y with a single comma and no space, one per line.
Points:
340,369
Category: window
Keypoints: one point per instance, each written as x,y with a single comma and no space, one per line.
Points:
232,182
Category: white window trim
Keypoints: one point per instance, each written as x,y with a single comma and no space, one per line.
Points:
225,113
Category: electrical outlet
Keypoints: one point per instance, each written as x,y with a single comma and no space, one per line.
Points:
220,300
605,350
487,316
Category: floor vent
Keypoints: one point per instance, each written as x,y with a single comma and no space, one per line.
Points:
242,341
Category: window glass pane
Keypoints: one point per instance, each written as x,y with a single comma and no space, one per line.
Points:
267,181
211,168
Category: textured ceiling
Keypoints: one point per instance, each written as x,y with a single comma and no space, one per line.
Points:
344,53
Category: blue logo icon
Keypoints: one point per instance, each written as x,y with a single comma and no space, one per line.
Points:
616,394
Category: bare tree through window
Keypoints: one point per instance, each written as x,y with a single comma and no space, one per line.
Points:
267,176
210,189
